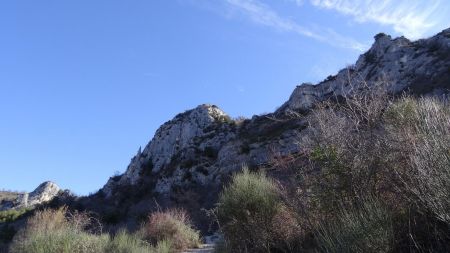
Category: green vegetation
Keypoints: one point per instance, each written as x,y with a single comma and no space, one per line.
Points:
50,231
252,215
59,231
173,228
377,179
12,215
364,228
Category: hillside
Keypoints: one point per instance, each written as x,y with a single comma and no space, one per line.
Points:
351,164
192,155
8,195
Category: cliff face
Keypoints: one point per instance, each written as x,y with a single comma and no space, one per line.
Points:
421,66
183,145
201,147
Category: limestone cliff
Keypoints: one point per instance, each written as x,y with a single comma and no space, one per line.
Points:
191,155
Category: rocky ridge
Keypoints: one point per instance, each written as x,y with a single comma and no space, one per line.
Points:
201,147
421,66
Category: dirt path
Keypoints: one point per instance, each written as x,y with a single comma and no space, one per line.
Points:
208,247
205,248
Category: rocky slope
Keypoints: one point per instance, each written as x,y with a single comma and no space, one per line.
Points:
421,66
191,155
45,192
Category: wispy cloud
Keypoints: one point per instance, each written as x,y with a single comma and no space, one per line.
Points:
412,18
263,14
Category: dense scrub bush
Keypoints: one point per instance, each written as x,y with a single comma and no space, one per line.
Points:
347,149
59,231
252,215
421,130
366,227
173,227
49,231
12,215
375,177
396,150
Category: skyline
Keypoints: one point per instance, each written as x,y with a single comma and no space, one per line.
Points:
80,96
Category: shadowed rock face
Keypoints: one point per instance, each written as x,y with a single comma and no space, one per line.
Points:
199,148
45,192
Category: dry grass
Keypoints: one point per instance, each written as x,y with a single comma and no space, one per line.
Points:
60,231
174,227
8,195
50,231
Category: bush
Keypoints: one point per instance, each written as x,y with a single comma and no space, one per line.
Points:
420,133
173,227
347,149
363,228
396,150
252,215
49,231
59,231
12,215
123,242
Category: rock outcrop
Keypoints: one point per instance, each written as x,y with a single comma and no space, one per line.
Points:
45,192
199,146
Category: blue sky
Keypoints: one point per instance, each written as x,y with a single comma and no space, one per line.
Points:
84,83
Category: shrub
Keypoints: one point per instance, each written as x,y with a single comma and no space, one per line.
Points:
347,148
420,133
12,215
164,246
251,213
123,242
363,228
59,231
49,231
171,228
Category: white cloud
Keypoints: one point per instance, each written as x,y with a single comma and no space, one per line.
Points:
263,14
411,18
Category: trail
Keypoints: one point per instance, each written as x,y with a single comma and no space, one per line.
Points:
205,248
208,247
